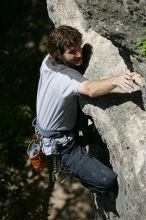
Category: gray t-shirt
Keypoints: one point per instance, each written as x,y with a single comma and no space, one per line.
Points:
57,96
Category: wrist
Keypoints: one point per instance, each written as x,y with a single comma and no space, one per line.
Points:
113,81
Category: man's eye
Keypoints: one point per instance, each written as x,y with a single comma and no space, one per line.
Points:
72,51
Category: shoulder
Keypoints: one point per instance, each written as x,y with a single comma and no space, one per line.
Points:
73,74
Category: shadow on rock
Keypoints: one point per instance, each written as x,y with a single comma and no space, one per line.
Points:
95,146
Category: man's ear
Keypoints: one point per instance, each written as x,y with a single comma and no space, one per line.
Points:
59,55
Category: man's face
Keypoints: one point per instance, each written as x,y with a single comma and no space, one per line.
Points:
72,56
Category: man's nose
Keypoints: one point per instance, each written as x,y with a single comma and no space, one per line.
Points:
79,53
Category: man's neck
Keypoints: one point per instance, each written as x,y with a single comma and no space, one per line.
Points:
78,68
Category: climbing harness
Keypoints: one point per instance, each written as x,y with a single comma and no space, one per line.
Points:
39,159
35,154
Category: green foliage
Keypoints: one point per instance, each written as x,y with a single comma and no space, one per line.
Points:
141,45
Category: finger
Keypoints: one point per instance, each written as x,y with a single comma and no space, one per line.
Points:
127,76
139,80
136,76
128,82
126,87
132,73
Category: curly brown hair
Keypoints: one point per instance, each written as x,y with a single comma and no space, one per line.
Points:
61,38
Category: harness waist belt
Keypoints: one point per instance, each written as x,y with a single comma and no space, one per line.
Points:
50,134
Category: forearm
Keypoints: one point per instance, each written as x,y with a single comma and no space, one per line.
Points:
95,88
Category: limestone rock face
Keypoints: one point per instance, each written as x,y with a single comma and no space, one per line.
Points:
122,21
120,118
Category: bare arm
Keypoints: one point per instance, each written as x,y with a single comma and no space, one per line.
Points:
95,88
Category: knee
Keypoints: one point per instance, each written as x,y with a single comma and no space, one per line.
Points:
109,181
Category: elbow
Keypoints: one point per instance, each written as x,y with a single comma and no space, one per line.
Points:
91,93
94,93
86,88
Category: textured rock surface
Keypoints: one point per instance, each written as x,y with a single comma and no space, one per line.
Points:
122,21
119,118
